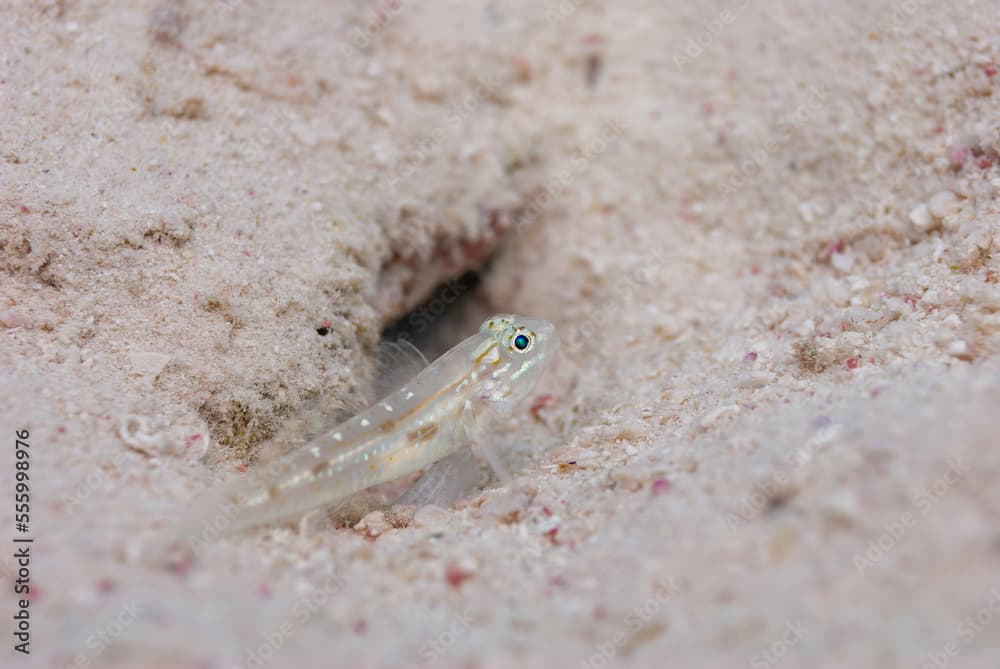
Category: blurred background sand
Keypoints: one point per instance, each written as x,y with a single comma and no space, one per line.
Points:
767,232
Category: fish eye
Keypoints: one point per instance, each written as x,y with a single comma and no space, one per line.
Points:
522,342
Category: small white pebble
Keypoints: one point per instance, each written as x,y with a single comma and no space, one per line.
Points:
958,347
467,564
381,154
938,250
373,524
806,212
942,204
842,262
430,517
921,218
843,506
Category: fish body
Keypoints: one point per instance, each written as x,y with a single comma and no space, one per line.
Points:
433,415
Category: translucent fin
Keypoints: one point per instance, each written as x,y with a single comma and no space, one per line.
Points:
396,362
461,472
475,428
444,481
492,458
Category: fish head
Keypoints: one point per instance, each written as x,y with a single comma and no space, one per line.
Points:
519,349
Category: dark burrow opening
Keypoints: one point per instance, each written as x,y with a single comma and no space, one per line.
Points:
453,312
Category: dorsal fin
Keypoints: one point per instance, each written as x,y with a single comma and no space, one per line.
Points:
396,362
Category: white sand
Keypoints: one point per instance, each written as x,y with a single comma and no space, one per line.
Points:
767,232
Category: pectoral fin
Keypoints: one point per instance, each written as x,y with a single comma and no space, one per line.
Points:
472,421
444,481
